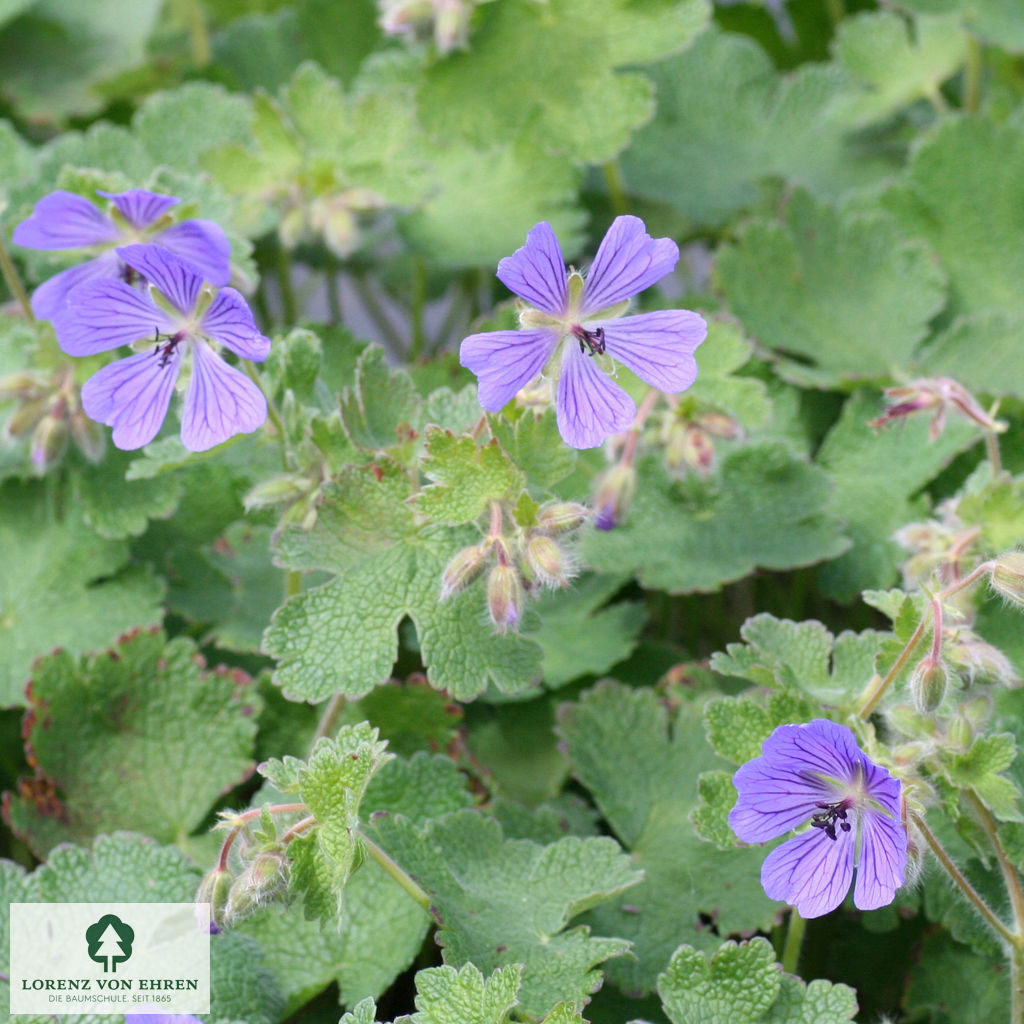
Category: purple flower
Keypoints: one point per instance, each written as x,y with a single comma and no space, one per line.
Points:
657,347
63,220
132,395
816,773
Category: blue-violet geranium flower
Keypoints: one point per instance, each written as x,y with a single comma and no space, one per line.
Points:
816,773
587,314
63,220
173,316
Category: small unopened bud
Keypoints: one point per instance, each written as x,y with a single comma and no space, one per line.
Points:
961,732
1007,576
504,597
698,451
718,424
463,568
979,661
264,878
214,889
928,683
88,436
49,441
613,496
21,385
561,516
278,490
26,416
547,562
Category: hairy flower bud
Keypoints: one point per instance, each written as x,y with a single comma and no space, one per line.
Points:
547,562
49,441
928,683
463,568
214,889
1007,576
278,490
26,416
504,597
265,878
561,516
88,436
961,732
613,496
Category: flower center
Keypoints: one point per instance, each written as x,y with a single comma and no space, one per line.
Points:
167,351
591,342
832,815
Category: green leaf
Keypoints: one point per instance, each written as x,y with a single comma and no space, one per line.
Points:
895,462
997,21
643,777
724,352
953,984
535,446
61,585
819,1002
467,478
738,726
332,784
801,656
737,987
447,996
896,61
995,505
583,635
727,120
517,62
717,799
979,768
845,291
381,404
138,737
980,350
766,508
508,901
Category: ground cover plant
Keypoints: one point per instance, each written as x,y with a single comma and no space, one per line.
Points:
519,504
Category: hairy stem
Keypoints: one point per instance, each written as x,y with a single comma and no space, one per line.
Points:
794,941
13,279
876,690
240,821
995,460
329,719
616,188
1011,877
376,854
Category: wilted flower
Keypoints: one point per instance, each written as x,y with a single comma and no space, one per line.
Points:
588,317
941,396
816,773
133,394
63,220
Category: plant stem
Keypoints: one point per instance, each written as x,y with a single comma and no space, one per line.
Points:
13,279
616,187
292,583
1016,984
298,828
992,451
877,688
395,872
1011,878
963,885
333,289
972,75
329,719
198,32
794,940
240,821
419,298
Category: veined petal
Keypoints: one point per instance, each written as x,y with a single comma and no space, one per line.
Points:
773,799
63,220
203,244
229,322
590,405
882,860
103,315
627,261
657,347
220,403
810,871
139,206
505,361
536,272
177,280
132,396
52,295
816,749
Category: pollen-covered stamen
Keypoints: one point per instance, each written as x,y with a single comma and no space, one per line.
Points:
591,342
832,815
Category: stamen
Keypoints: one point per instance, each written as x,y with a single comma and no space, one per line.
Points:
832,815
591,342
167,351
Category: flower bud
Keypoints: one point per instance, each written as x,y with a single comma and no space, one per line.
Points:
979,661
26,416
613,496
504,597
214,889
88,436
278,490
718,424
264,878
928,683
961,732
547,562
698,452
463,568
49,441
561,516
21,385
1007,576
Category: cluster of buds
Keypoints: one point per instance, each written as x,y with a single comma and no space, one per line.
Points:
688,436
446,20
940,396
942,547
336,216
532,558
49,413
1006,576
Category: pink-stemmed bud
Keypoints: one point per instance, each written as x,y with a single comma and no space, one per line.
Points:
1007,576
49,441
547,562
979,661
613,496
928,683
505,597
461,570
265,878
562,516
214,889
941,395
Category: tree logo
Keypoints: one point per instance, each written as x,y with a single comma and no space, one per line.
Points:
110,942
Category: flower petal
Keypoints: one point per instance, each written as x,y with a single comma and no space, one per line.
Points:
103,315
132,396
229,322
505,361
63,220
657,347
220,403
627,261
819,748
177,280
139,206
52,295
203,244
536,272
882,861
810,871
773,799
590,405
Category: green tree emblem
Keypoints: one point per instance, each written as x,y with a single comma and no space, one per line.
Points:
110,941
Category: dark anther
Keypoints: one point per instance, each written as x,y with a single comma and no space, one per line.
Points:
128,274
831,815
591,342
167,351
